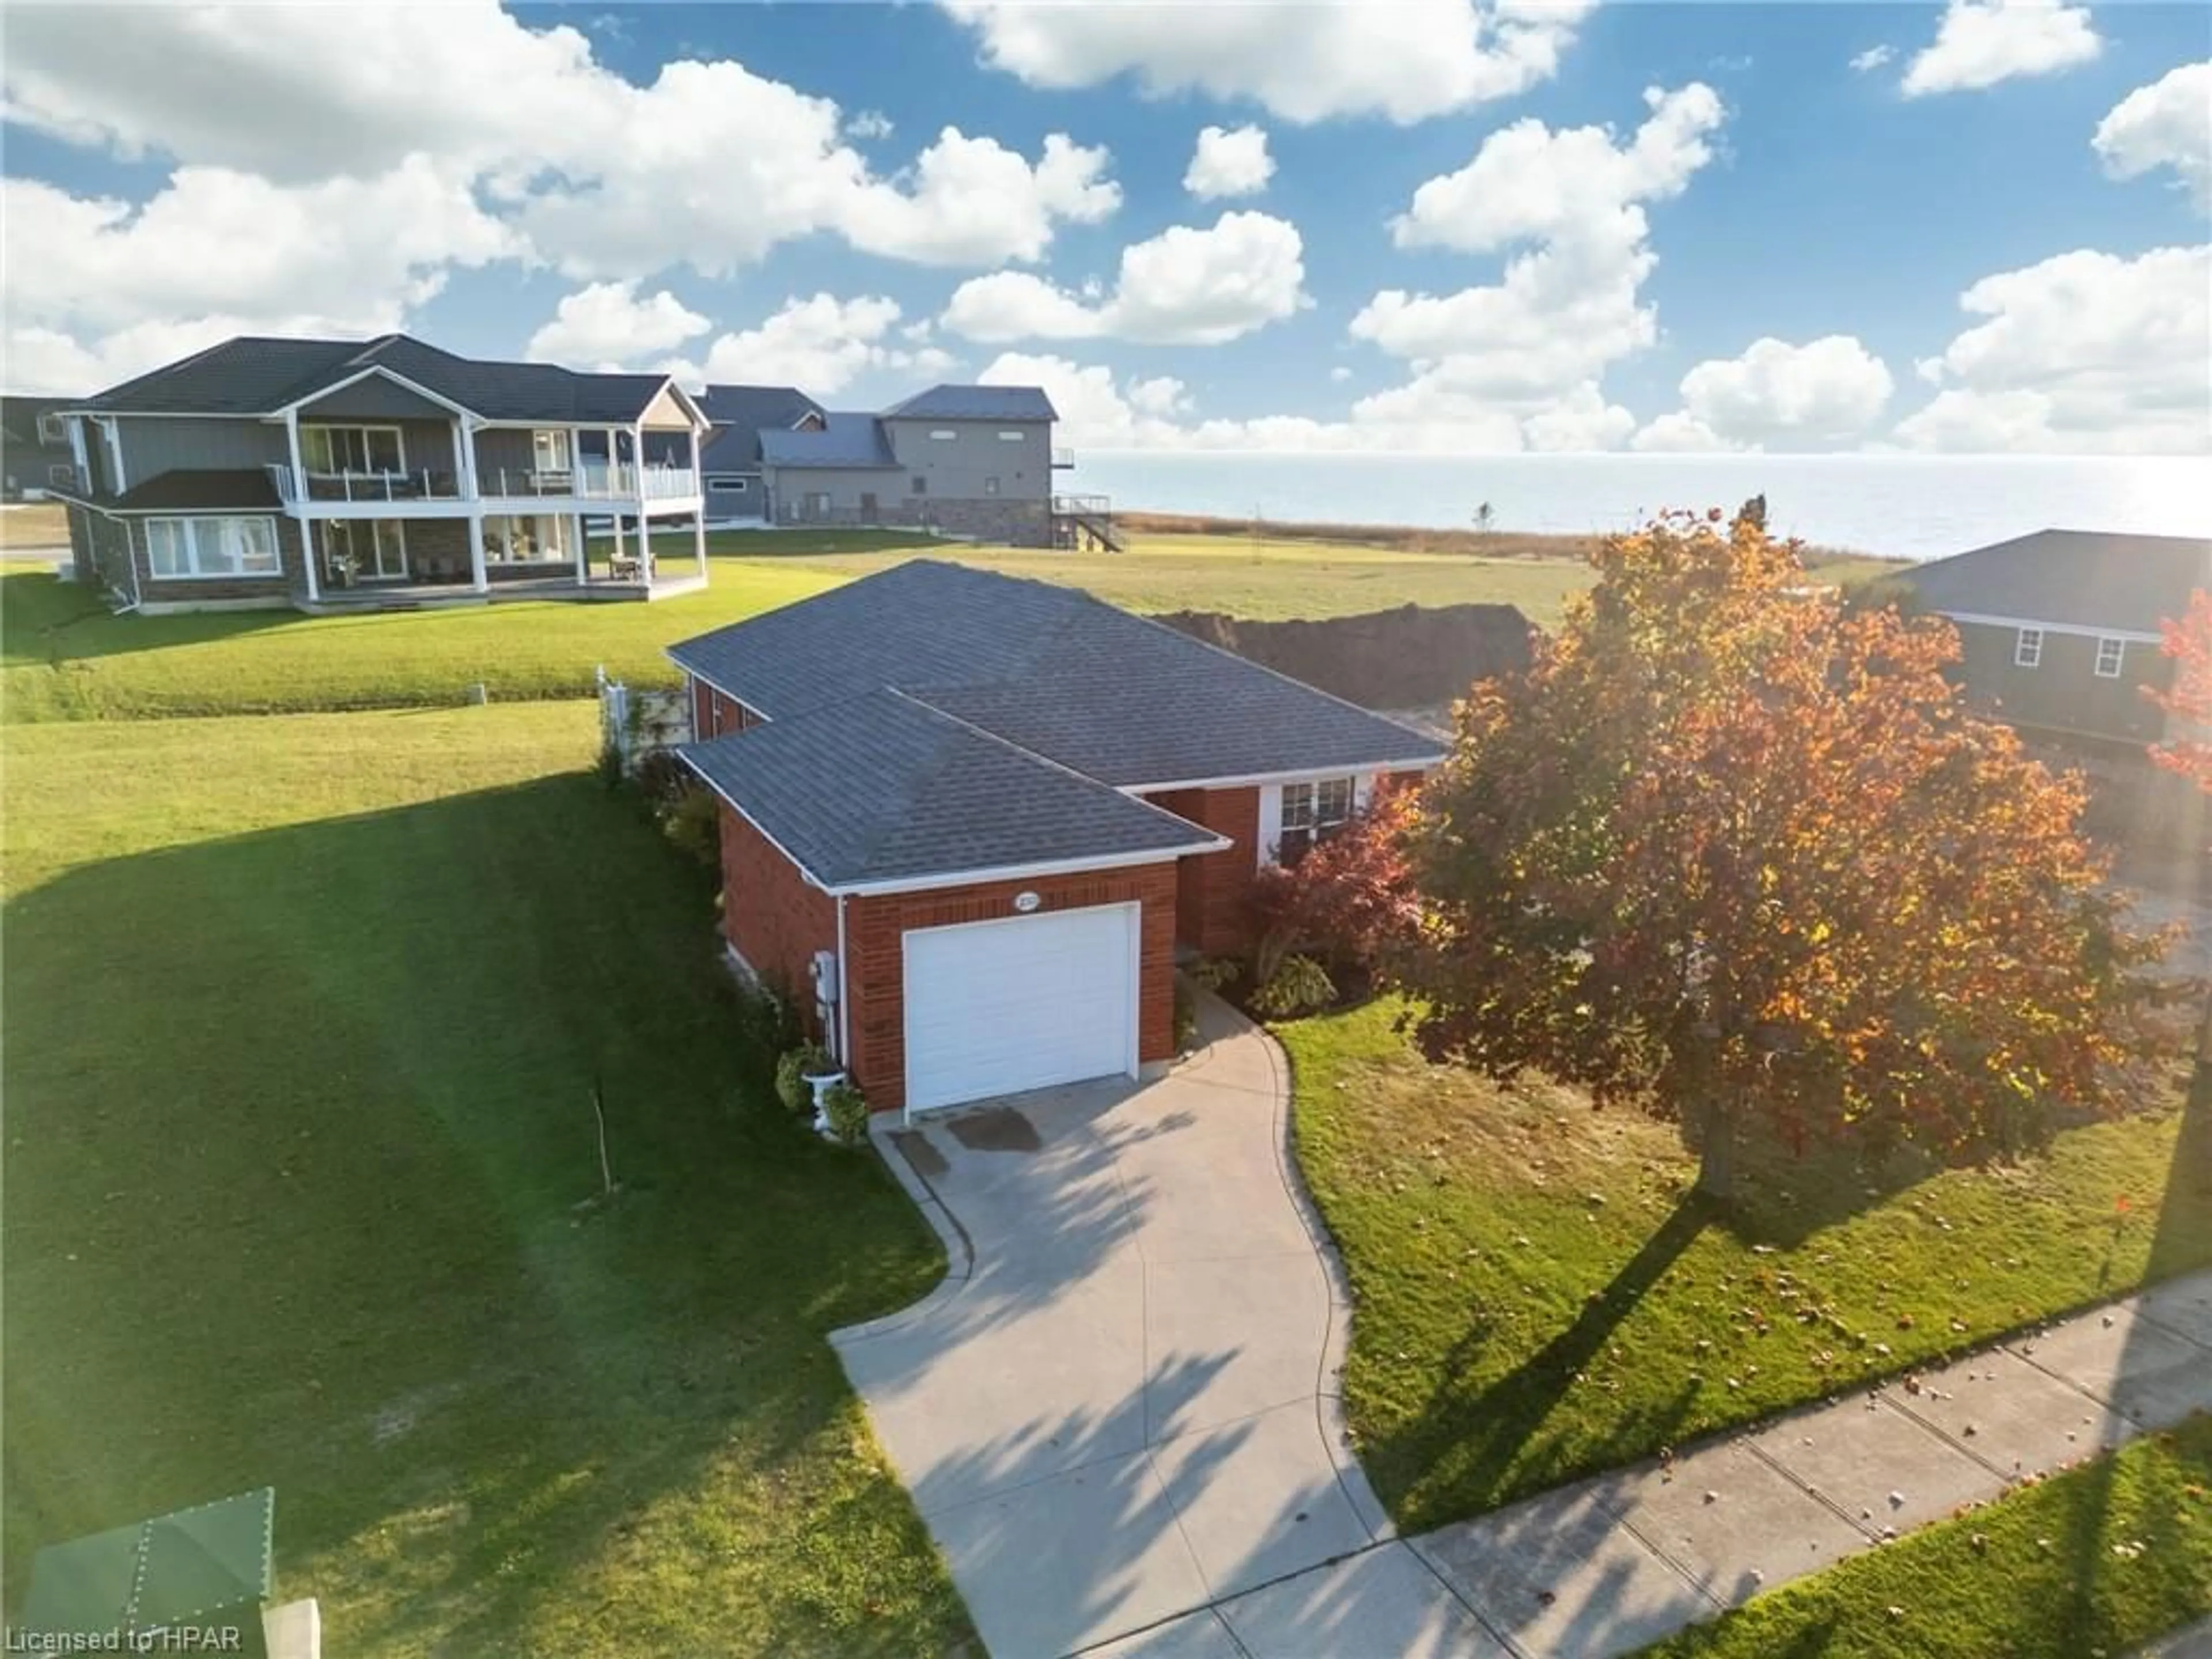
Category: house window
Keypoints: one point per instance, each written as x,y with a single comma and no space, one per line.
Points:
1012,437
920,486
1313,812
990,486
2111,654
945,434
352,449
364,550
722,483
2027,648
53,430
62,473
185,548
551,451
529,538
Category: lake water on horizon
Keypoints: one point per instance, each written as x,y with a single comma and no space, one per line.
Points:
1904,506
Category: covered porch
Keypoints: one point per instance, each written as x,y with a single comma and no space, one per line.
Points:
357,563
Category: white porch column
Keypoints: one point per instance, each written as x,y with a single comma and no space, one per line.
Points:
583,557
309,558
699,539
644,543
478,580
464,447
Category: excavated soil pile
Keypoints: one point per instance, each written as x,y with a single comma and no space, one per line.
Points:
1414,657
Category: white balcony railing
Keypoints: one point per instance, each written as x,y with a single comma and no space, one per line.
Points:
423,486
619,480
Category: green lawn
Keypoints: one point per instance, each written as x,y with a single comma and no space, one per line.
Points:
2093,1561
301,1019
62,657
1536,1299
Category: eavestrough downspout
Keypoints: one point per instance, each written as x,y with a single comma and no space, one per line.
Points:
844,1004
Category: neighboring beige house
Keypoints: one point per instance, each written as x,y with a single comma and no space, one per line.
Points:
340,474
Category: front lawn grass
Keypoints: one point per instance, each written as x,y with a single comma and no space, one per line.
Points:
63,657
302,1019
1536,1297
2097,1560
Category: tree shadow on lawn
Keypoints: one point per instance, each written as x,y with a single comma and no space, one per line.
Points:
299,1125
1488,1431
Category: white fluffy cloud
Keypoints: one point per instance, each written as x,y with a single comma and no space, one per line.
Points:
215,240
607,326
541,152
2167,124
1816,396
1304,60
1228,161
820,344
1980,43
1680,434
2084,353
1187,286
1521,358
1873,59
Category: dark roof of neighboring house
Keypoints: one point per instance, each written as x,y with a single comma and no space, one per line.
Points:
881,788
189,489
2071,578
974,403
741,414
1122,700
253,375
845,441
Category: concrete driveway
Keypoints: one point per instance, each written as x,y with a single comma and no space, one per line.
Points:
1119,1406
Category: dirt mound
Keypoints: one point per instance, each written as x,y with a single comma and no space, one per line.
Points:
1414,656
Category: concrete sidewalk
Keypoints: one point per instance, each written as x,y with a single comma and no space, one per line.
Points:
1605,1566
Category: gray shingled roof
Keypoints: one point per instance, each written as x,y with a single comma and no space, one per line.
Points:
2077,578
741,414
846,439
252,375
880,788
975,402
186,489
1123,700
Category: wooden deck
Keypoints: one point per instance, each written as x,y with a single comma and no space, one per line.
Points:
451,596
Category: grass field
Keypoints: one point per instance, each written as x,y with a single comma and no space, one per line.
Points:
1536,1299
62,657
33,524
2098,1560
302,1021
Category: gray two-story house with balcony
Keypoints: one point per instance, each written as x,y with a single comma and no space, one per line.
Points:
970,461
328,474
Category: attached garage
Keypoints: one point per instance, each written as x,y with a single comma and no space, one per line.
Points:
1021,1002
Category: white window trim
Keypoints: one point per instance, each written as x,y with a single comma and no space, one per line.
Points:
181,521
53,430
2027,648
727,483
1012,437
1271,807
564,538
399,527
567,448
2119,650
945,434
398,442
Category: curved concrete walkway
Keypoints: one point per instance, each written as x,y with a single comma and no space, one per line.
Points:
1119,1405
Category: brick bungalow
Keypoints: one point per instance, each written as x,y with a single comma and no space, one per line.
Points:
975,819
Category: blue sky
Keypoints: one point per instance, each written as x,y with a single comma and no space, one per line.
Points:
1798,241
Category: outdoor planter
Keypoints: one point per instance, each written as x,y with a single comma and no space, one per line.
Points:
821,1082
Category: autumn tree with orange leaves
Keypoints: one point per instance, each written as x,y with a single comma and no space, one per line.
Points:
2187,698
1730,854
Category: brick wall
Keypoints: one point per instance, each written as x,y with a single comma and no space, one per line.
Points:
714,714
772,913
875,974
1212,889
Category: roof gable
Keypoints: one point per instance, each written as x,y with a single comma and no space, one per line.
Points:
916,794
845,441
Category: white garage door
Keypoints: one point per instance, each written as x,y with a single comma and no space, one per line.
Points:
993,1007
